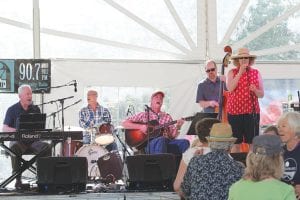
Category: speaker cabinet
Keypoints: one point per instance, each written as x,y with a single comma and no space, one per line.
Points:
110,167
62,174
156,171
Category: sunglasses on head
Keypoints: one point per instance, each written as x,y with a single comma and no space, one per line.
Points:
210,70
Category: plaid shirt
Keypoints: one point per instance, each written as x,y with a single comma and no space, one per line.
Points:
161,117
88,118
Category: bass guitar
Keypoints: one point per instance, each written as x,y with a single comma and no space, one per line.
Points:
136,138
222,113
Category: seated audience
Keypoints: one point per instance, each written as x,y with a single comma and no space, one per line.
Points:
209,176
202,129
271,130
287,126
263,172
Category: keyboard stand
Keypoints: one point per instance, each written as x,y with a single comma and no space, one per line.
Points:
25,164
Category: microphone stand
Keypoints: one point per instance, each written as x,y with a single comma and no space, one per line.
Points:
253,106
62,105
298,99
43,90
42,97
147,110
54,114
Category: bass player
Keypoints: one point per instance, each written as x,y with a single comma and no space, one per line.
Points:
161,140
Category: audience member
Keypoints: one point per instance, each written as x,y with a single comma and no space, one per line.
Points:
263,172
287,126
271,130
209,176
201,147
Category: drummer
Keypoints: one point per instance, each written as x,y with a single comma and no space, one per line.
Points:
92,116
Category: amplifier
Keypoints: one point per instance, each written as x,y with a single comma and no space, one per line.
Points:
62,174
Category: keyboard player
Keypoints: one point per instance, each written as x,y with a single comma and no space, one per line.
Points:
10,124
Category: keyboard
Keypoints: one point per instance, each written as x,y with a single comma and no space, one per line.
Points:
23,135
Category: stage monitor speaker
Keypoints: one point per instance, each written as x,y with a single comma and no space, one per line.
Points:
155,171
62,174
110,167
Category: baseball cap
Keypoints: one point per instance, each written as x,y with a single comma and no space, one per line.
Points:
158,92
267,144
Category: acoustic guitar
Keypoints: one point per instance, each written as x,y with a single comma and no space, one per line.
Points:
136,138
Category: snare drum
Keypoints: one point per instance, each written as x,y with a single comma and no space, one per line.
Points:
104,135
92,153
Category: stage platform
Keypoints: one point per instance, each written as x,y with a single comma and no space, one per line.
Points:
90,196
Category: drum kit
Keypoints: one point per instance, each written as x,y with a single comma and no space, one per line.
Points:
98,157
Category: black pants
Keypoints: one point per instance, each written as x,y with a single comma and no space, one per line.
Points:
245,126
20,148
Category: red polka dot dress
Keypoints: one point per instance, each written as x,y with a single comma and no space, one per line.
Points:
240,100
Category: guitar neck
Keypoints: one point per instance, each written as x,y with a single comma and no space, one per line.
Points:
165,125
172,122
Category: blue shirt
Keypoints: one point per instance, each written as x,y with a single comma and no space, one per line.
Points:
291,174
207,91
89,119
13,113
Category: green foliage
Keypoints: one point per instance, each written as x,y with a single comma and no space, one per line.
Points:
260,14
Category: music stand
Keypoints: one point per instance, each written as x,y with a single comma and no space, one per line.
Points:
32,121
198,117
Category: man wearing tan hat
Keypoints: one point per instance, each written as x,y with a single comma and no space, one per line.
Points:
163,140
245,86
209,176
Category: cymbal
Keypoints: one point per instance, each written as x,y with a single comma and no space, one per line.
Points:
119,127
73,128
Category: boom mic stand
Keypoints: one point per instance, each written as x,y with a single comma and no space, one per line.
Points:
298,92
54,113
43,90
63,123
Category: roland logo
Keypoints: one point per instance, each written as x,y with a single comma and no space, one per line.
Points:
30,136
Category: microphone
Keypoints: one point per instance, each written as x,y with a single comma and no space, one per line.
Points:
75,86
128,111
147,107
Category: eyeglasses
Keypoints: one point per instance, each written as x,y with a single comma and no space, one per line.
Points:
244,58
210,70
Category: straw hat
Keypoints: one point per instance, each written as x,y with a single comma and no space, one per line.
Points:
221,132
242,53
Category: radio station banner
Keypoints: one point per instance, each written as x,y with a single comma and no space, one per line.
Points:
34,72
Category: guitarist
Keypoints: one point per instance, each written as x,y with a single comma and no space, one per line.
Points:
164,141
208,89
